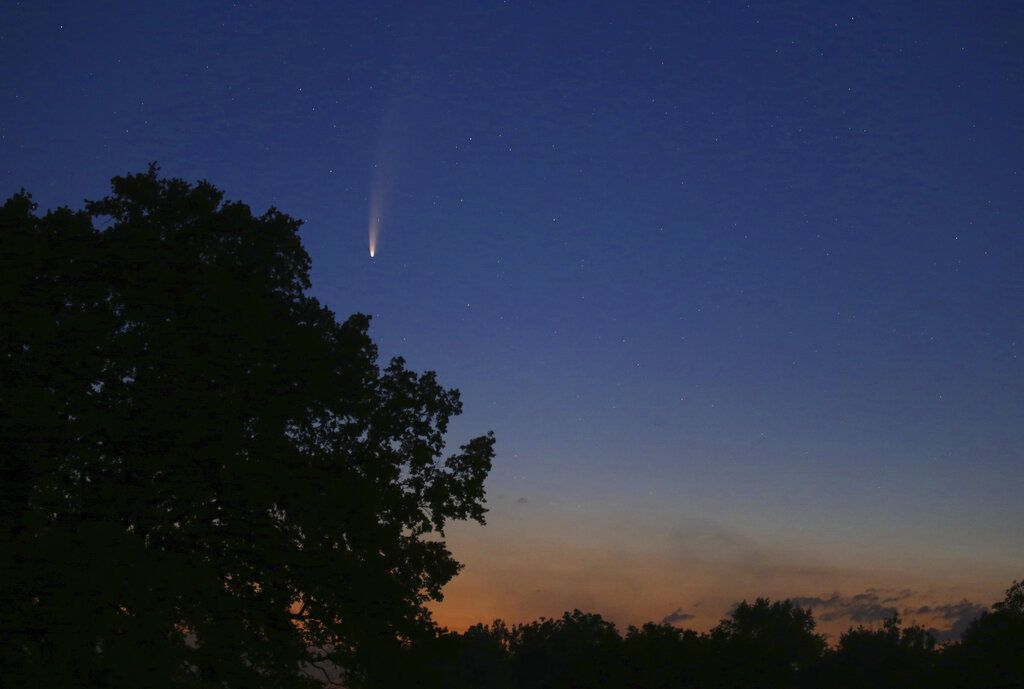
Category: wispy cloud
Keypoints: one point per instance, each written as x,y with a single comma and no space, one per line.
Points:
872,605
957,616
677,616
877,604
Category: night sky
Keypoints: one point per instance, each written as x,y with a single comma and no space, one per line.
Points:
739,287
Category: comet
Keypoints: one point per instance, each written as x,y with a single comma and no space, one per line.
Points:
385,170
378,196
376,211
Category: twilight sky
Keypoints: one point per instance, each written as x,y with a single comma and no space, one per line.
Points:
739,286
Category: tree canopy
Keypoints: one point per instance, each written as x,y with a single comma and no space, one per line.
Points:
208,479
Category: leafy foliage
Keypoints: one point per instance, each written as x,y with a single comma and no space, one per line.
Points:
208,480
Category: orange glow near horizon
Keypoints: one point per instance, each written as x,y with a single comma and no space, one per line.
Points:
522,573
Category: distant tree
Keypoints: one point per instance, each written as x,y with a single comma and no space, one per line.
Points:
480,659
578,650
760,645
660,656
991,650
765,644
207,480
889,657
475,659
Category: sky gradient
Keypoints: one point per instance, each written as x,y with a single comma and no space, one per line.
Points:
739,287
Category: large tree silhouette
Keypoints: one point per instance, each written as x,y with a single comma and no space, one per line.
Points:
765,644
207,479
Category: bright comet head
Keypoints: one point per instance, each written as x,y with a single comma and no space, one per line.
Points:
374,229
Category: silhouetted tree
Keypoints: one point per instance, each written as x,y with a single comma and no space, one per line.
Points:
577,650
478,658
889,657
991,650
765,644
660,656
475,659
207,479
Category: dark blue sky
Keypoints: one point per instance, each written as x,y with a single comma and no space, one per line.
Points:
747,270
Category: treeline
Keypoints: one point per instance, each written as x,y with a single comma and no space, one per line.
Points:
763,644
